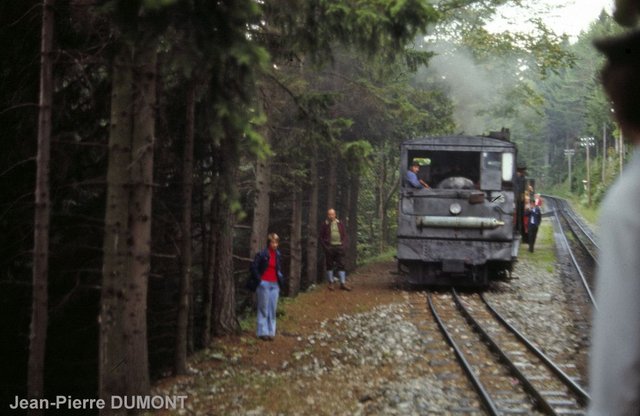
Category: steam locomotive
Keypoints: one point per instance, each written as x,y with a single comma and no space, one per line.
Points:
462,230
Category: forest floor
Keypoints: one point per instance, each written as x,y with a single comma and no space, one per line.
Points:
244,375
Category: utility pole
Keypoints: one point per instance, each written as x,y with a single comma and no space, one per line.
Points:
588,142
569,154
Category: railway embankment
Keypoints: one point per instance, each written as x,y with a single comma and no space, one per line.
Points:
375,350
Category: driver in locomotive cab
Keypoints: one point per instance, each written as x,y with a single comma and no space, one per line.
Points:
412,179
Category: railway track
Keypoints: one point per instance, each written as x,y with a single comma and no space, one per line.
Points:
583,235
583,258
578,272
509,374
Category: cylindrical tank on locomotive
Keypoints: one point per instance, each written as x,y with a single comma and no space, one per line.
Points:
462,229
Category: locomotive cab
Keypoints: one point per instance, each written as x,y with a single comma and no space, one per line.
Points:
461,230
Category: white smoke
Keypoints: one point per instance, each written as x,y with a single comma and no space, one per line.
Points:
470,86
474,89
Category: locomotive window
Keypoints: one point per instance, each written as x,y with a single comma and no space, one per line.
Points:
507,167
491,170
446,164
492,160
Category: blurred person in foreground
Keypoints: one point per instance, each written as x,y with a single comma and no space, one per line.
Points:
614,368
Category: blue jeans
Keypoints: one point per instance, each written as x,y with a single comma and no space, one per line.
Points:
267,294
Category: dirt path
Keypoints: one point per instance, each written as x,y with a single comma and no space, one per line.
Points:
240,373
373,351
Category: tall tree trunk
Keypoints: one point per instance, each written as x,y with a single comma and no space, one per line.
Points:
382,179
385,215
209,275
140,216
197,280
180,366
352,223
112,358
312,226
40,301
332,180
224,318
260,225
295,266
127,245
382,244
190,328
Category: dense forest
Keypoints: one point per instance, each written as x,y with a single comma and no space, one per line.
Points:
149,146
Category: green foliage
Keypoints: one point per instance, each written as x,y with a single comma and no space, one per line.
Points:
357,155
414,59
575,106
544,255
539,84
387,256
158,4
317,76
492,77
541,50
375,27
137,21
256,143
208,42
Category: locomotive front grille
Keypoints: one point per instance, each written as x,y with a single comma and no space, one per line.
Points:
470,252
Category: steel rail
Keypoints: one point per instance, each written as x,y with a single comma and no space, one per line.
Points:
570,217
529,388
565,203
487,401
583,396
575,262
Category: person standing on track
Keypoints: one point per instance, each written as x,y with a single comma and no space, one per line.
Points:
614,367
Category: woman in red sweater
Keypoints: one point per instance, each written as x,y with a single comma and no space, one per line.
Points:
266,268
